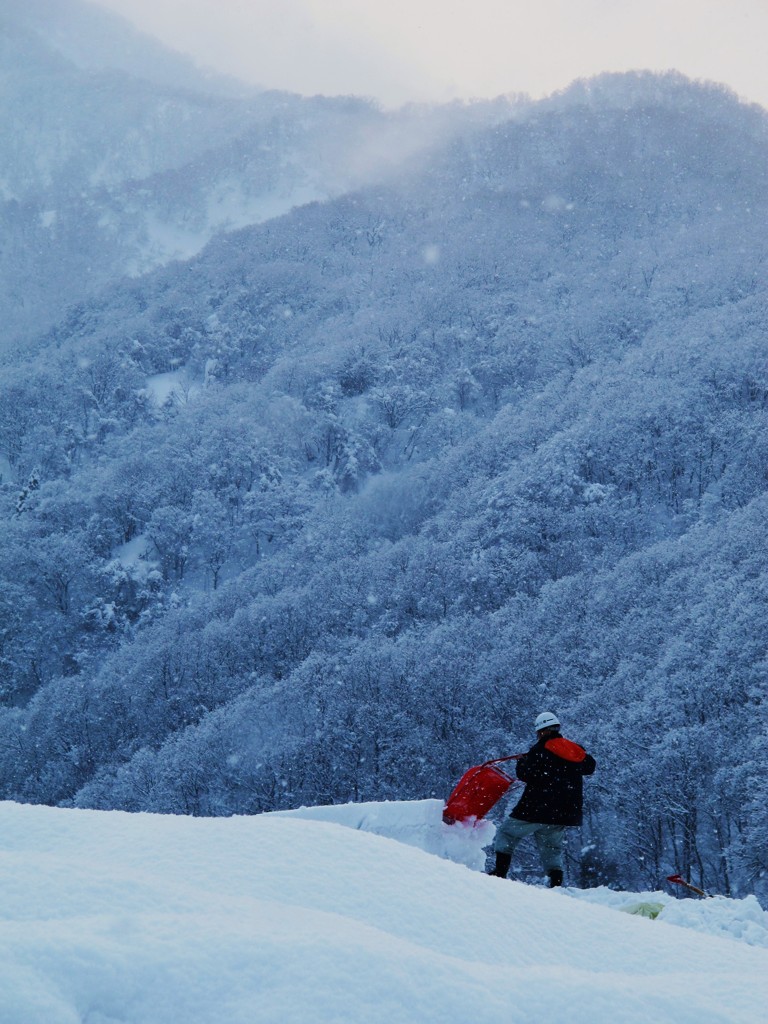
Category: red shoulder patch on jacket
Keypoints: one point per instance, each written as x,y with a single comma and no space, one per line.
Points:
566,749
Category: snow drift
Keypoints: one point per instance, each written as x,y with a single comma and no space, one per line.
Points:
147,919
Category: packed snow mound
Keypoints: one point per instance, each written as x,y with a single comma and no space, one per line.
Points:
416,823
110,917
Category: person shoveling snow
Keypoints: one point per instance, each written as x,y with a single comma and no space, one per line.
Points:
552,771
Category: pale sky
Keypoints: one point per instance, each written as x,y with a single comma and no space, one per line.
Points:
401,50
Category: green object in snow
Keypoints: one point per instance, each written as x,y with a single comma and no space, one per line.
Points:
647,909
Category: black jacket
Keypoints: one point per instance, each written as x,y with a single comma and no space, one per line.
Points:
552,771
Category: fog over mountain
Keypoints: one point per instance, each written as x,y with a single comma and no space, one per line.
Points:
331,509
120,156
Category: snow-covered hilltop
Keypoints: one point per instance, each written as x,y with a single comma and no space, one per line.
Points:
148,919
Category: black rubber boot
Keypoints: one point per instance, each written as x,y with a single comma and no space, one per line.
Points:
503,861
555,878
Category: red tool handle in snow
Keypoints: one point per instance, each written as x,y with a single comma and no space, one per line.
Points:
478,790
679,880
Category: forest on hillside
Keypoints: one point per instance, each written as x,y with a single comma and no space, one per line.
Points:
330,511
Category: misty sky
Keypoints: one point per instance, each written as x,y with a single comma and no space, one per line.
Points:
400,50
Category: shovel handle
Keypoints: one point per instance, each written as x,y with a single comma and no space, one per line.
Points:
679,880
500,760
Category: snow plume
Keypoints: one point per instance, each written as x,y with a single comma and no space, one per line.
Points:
148,919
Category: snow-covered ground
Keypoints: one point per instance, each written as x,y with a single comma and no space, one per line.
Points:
312,917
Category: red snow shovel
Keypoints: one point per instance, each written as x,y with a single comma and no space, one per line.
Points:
679,880
478,790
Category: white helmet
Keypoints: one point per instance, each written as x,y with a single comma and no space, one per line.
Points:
545,721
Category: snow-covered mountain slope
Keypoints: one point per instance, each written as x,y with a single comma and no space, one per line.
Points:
439,452
117,155
148,919
73,140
